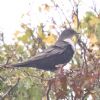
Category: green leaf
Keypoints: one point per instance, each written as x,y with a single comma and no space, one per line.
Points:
98,31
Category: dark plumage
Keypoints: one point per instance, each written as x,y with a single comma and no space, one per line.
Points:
60,53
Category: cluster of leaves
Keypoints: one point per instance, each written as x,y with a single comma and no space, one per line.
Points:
80,82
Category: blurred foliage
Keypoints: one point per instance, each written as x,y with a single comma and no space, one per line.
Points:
80,82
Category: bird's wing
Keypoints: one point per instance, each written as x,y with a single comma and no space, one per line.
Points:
53,50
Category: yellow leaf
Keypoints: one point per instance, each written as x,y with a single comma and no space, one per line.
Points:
94,20
46,7
16,33
93,38
75,39
50,39
75,20
40,32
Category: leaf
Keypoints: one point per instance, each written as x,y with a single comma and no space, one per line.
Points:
29,32
46,7
24,26
50,39
36,93
75,20
24,38
28,83
17,33
98,32
93,38
40,32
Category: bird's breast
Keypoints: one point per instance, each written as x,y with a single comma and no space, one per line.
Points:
69,41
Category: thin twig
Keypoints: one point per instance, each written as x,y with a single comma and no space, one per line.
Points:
49,88
57,6
83,46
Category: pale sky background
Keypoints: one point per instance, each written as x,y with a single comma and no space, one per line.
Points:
12,10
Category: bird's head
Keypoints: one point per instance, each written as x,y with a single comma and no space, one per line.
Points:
67,34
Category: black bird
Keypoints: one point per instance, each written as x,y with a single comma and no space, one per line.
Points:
60,53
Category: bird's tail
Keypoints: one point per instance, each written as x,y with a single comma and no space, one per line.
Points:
28,63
